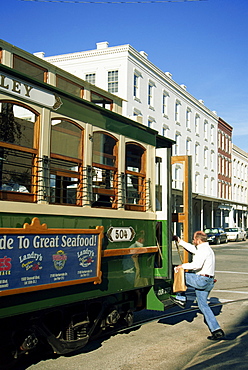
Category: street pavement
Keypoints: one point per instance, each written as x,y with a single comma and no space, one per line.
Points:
176,343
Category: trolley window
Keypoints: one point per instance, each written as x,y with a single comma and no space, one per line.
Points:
29,68
104,171
135,177
69,86
66,163
101,100
18,152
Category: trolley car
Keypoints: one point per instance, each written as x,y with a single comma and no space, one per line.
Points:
80,246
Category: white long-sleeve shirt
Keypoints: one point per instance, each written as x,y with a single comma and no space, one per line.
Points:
203,262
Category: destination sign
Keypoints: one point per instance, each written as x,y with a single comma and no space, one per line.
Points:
120,234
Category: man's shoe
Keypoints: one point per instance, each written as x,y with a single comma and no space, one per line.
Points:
180,303
217,335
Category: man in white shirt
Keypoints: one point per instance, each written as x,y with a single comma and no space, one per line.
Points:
201,278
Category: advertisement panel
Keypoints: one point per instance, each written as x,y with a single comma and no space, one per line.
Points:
35,257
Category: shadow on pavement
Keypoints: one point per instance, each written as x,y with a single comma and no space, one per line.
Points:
186,314
231,353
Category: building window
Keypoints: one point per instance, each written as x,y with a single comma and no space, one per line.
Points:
206,157
18,152
104,170
150,122
197,181
197,148
137,116
205,129
165,130
227,168
177,108
188,115
135,85
219,164
188,146
219,139
227,144
29,68
212,133
176,146
212,160
212,186
165,103
66,162
69,86
113,82
135,177
205,184
223,141
178,182
91,78
197,120
150,94
223,166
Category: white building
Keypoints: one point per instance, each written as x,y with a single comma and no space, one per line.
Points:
153,98
239,186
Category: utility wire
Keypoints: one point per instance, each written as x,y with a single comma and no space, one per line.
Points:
113,2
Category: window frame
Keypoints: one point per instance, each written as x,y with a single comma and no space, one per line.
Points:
113,83
101,190
135,85
61,172
88,78
177,111
81,88
30,197
150,94
141,177
165,99
45,71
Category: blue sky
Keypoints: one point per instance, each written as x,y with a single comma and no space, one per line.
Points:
204,44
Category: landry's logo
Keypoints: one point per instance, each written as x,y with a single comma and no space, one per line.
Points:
86,257
31,261
59,260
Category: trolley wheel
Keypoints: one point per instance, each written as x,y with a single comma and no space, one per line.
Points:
129,319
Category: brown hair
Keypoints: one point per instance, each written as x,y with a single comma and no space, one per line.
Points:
201,235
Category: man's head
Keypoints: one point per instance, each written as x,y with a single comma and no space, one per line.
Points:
199,237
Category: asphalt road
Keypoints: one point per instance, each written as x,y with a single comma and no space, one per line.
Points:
178,342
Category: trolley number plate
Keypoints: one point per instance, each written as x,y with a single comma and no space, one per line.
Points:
120,234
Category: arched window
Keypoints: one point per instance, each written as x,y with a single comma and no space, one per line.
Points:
66,162
135,177
18,152
104,171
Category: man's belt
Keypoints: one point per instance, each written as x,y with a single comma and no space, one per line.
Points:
209,276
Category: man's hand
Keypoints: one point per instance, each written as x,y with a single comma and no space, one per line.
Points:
176,238
177,268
